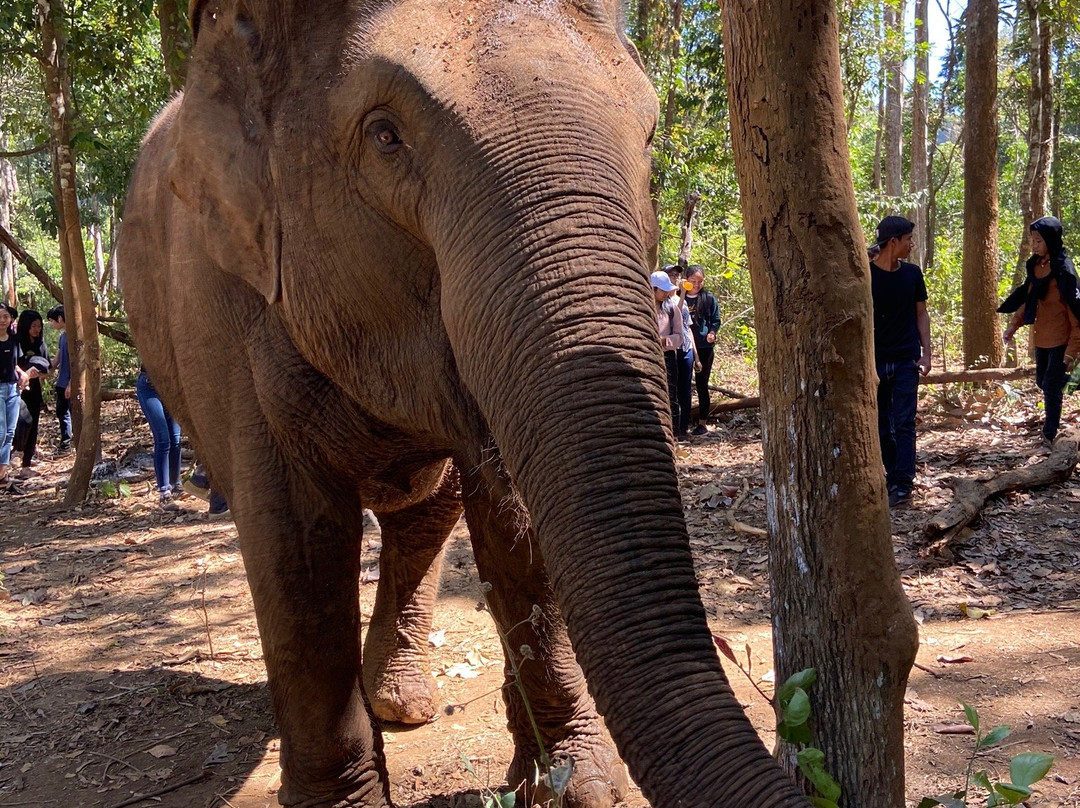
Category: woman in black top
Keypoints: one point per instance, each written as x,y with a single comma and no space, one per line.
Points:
12,380
30,333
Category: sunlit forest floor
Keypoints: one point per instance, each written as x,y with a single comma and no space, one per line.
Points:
130,662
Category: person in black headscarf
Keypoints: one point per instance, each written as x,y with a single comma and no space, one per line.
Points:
35,361
1049,298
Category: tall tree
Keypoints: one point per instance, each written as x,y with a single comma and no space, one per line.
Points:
1035,185
920,164
175,41
982,342
894,97
811,287
83,346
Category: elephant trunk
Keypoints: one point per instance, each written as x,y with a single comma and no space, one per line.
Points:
554,333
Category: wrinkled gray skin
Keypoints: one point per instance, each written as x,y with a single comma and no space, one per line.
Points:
393,254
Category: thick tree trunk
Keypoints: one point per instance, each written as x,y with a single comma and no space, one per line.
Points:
8,190
83,347
920,166
830,543
894,98
175,41
673,67
982,342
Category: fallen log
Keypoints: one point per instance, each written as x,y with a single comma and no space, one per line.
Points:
941,377
976,375
116,393
971,495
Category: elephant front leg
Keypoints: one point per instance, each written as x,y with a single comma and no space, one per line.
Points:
547,703
302,562
397,670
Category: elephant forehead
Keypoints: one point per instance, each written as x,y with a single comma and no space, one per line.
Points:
484,54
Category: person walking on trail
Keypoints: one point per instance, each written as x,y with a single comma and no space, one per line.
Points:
62,363
669,322
1049,299
901,351
166,434
705,322
685,359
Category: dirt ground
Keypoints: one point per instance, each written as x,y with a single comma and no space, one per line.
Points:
130,664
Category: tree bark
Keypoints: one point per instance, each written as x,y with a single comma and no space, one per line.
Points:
8,190
894,97
175,41
673,66
83,347
920,166
982,342
1034,186
686,244
642,35
830,545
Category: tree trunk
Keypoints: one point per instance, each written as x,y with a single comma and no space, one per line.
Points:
83,347
894,98
1035,182
687,242
811,288
175,41
920,166
673,67
642,28
879,134
982,342
8,189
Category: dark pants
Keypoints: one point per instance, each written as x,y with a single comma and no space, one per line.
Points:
1050,375
166,434
63,414
671,364
685,384
705,353
898,396
33,397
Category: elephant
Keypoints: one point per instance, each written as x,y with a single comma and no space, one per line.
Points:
393,254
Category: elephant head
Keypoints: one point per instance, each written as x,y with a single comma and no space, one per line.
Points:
459,190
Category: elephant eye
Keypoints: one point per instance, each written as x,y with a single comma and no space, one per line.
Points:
385,136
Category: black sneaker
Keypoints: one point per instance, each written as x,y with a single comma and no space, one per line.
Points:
899,497
63,449
700,429
166,501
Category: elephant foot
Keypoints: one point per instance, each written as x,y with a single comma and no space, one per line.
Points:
598,777
405,699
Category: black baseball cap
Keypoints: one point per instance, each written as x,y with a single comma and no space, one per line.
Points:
893,227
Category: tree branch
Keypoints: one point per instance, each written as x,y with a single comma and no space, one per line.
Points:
53,288
12,154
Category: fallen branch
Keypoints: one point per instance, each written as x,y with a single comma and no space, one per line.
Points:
742,527
117,393
971,495
166,790
53,288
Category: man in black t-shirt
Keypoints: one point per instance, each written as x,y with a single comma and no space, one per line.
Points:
901,351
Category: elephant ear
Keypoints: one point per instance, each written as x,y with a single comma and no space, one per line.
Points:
221,164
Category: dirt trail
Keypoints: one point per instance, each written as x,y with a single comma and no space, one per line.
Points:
108,688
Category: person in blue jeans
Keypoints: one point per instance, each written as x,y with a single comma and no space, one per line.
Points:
62,364
684,357
901,351
12,380
166,434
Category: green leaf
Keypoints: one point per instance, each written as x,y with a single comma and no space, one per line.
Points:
508,799
468,766
794,735
948,800
1012,792
796,709
981,779
995,736
125,490
1029,767
972,716
821,802
812,765
797,681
